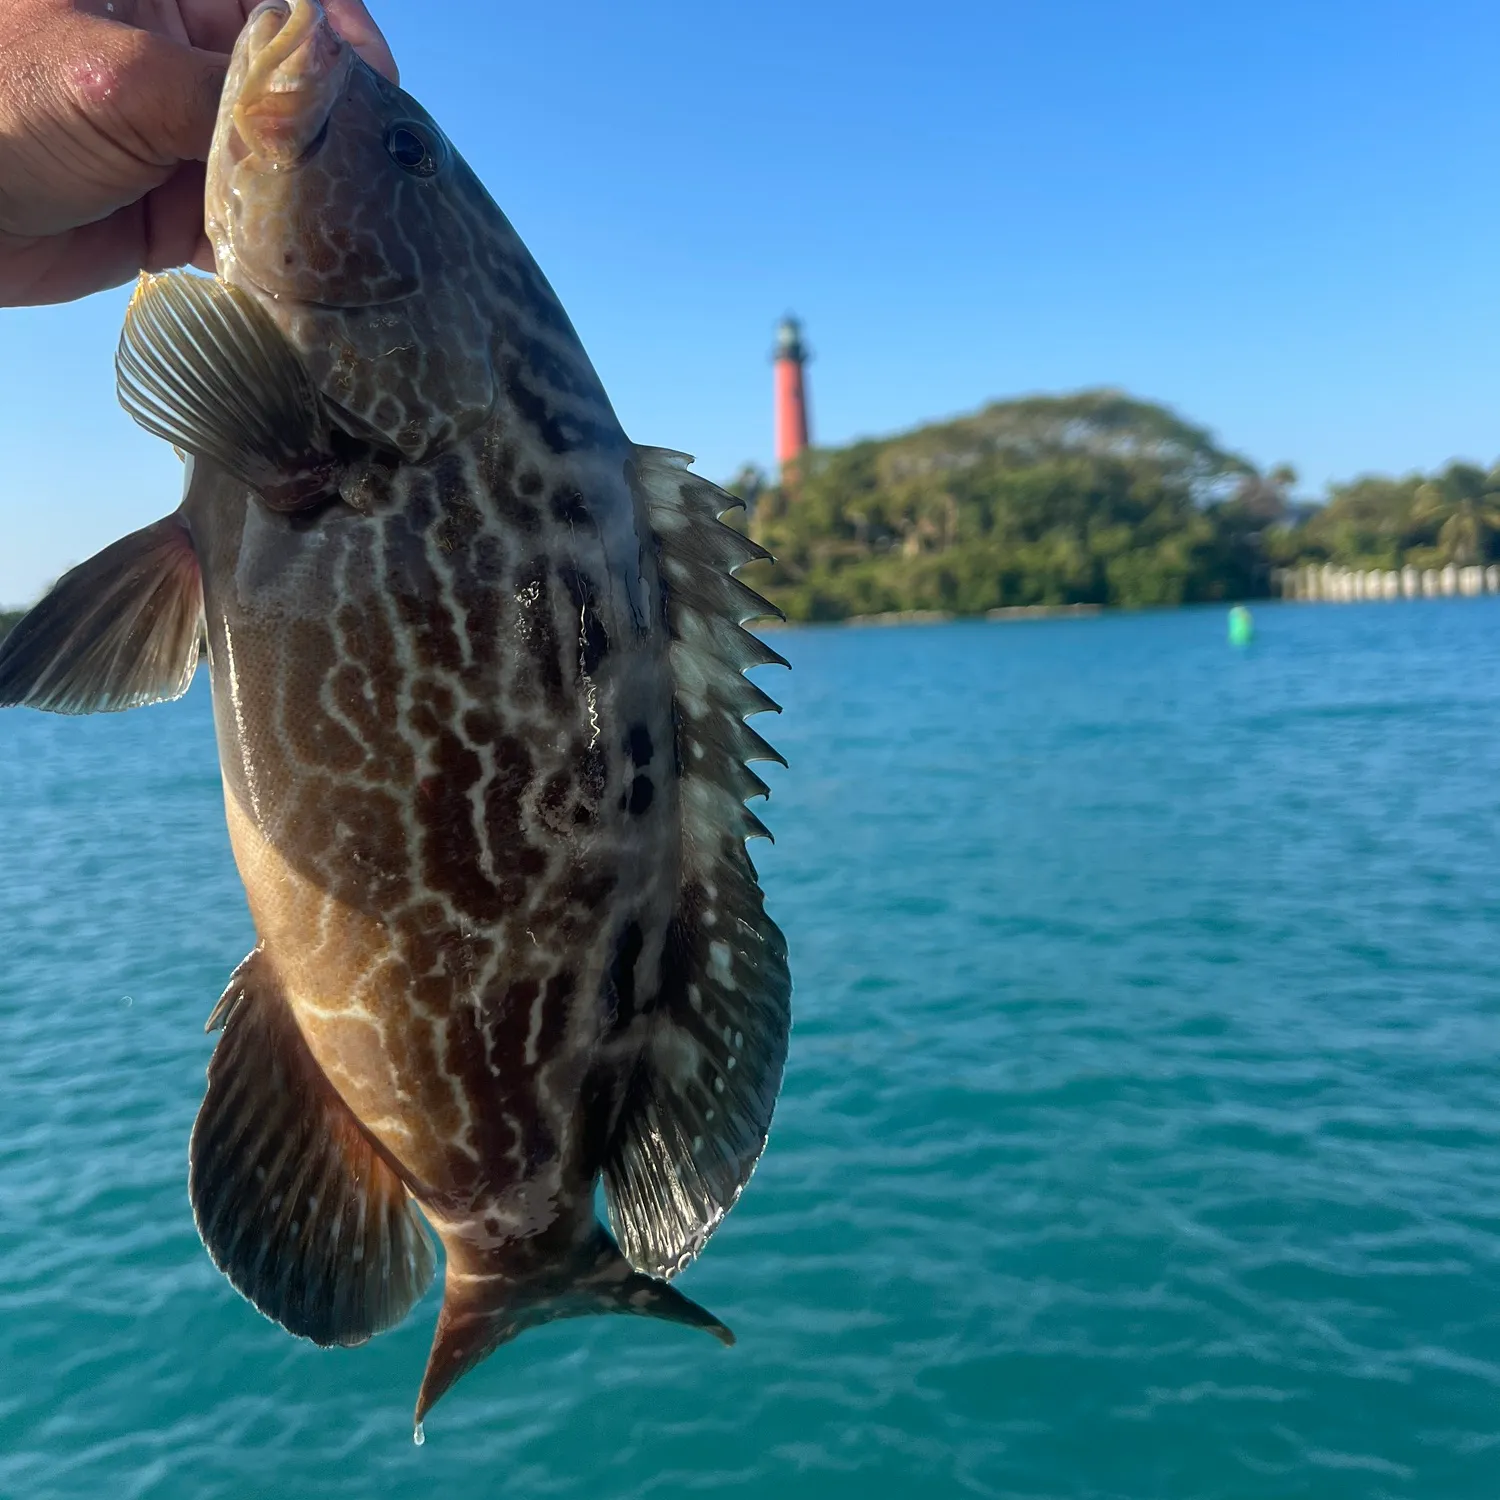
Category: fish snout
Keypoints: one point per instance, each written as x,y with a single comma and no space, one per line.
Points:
294,68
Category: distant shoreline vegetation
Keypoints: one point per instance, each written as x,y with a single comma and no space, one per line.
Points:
1095,498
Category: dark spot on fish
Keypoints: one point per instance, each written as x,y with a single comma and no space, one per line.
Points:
530,483
556,1004
502,817
638,745
541,1144
489,558
429,726
562,433
482,623
641,793
528,286
590,891
521,994
450,845
568,507
448,474
463,1044
481,726
457,527
555,369
497,469
622,972
596,1117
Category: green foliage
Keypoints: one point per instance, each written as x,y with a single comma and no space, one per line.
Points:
1373,522
1094,498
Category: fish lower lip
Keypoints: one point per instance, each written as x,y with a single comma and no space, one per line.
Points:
295,70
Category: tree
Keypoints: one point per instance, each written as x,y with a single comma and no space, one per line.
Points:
1095,497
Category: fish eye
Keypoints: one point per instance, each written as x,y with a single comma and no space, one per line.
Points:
411,150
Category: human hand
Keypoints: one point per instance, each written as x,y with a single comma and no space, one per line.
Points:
106,114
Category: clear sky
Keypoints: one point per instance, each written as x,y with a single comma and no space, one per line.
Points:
1281,218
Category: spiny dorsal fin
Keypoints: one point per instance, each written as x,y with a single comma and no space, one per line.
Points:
700,1106
119,631
295,1204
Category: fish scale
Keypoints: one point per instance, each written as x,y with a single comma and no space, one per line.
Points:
477,665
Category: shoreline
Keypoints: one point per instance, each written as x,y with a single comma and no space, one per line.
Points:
945,617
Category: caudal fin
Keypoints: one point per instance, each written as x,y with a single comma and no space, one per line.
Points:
484,1307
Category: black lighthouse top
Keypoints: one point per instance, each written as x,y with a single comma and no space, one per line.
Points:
789,343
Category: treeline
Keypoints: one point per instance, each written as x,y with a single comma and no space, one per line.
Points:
1094,498
1424,521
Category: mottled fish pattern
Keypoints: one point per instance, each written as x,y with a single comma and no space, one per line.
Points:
477,666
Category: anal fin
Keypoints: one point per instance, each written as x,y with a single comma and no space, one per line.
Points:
118,631
294,1202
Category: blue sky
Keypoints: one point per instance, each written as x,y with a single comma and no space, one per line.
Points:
1280,218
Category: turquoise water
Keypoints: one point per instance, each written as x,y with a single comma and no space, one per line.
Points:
1141,1134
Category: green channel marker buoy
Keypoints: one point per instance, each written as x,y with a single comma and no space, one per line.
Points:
1241,626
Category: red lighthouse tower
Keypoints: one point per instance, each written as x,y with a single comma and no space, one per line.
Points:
791,395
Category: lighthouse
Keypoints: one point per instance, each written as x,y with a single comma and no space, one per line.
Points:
791,395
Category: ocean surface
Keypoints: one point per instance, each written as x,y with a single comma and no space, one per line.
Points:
1140,1137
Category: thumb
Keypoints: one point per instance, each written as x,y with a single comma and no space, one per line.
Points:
93,115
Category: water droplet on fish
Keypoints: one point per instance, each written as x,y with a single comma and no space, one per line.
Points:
417,1435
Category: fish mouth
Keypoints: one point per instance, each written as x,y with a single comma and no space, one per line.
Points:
295,66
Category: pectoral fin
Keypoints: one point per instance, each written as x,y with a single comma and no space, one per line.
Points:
294,1202
201,364
119,631
699,1110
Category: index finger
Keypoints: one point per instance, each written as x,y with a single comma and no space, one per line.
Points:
357,27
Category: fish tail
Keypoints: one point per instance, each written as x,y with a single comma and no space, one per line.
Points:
486,1305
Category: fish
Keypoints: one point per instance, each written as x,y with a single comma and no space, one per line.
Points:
480,693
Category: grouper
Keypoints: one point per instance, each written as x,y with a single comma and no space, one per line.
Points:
478,668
